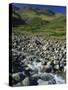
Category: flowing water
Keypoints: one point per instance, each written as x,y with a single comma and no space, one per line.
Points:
38,66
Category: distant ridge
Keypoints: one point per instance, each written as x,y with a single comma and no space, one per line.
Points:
36,10
15,7
56,9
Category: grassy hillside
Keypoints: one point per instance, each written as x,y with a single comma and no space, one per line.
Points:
39,22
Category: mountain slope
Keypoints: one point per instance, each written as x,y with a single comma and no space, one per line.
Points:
43,22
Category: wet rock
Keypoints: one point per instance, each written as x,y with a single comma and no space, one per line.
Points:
42,82
47,68
46,76
25,82
15,78
33,81
53,81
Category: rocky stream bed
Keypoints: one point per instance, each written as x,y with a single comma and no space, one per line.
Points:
36,61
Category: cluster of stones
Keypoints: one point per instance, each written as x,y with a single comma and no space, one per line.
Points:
35,60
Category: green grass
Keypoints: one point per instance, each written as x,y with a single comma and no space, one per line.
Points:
48,27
